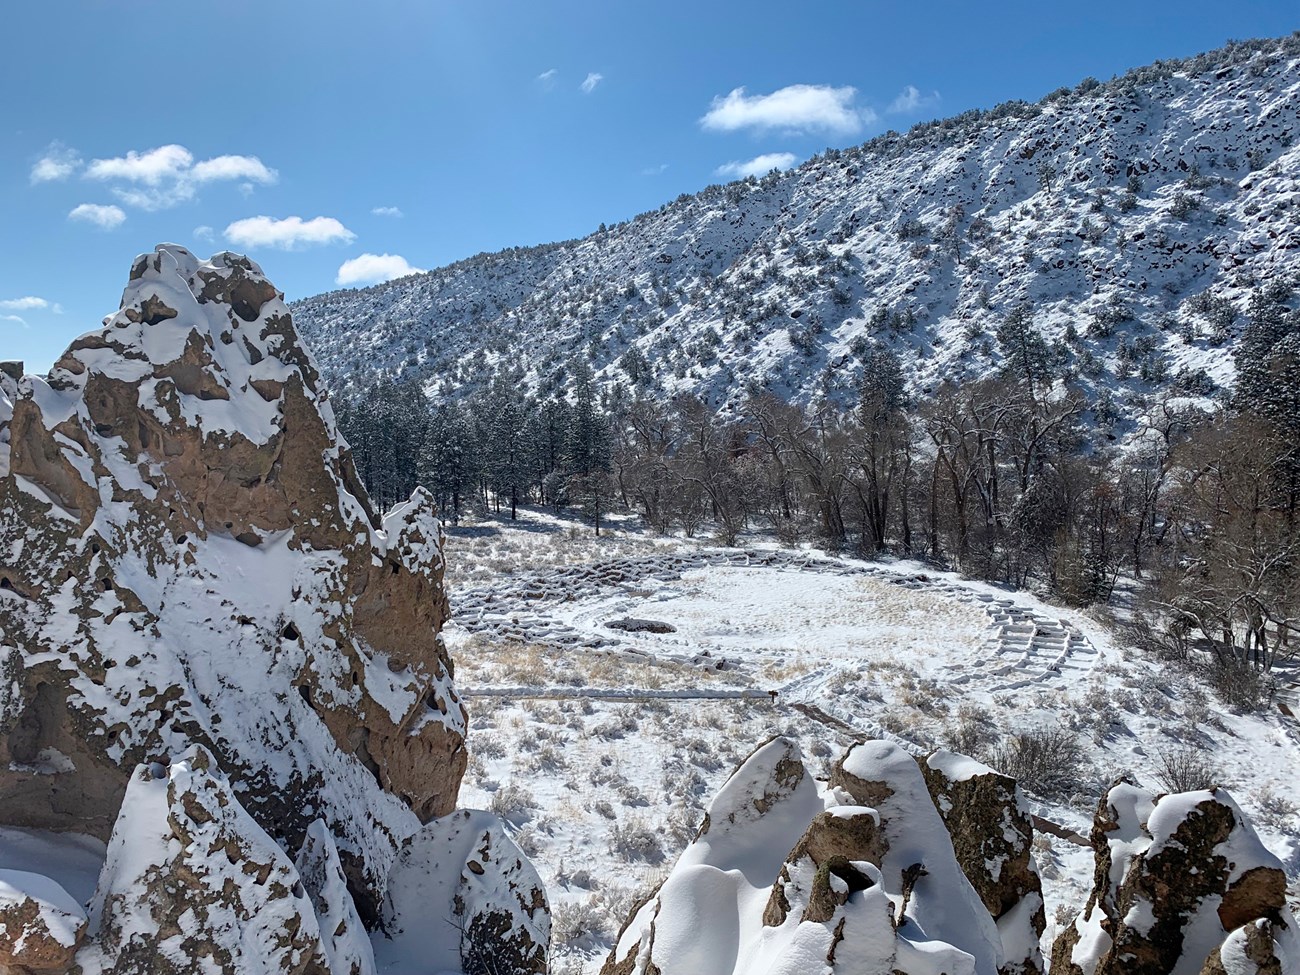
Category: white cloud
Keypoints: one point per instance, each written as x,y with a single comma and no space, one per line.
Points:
387,212
287,234
655,170
59,162
204,233
910,99
248,168
758,166
168,175
103,217
590,82
804,108
152,167
547,77
374,269
27,303
13,318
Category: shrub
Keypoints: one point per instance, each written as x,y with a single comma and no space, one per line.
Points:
513,803
1186,769
1239,685
1048,762
634,839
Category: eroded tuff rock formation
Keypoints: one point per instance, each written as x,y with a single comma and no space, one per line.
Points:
1182,885
186,556
785,877
992,837
903,866
212,652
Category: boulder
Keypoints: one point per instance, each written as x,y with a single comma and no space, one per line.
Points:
1261,947
1178,877
992,837
41,925
344,940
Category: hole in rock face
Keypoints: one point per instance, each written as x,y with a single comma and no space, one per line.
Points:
6,584
181,539
104,584
290,632
304,692
395,567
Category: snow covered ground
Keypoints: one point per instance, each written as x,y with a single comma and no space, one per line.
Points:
601,747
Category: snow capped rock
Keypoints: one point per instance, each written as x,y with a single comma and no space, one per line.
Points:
343,937
190,876
870,884
1182,880
186,556
41,926
992,837
462,895
1133,216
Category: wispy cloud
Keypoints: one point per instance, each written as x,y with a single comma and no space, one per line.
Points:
655,170
758,166
14,318
166,176
547,78
204,233
374,269
103,217
802,108
28,303
910,99
590,82
287,234
387,212
58,163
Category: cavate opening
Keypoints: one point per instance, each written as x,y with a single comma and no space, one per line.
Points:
290,632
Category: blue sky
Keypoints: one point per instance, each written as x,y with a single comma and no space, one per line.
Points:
341,142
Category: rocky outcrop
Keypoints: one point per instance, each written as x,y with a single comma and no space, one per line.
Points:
186,556
992,837
41,925
463,897
344,940
1261,947
1182,884
212,650
191,879
869,885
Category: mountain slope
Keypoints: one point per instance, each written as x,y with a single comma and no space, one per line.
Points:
1134,217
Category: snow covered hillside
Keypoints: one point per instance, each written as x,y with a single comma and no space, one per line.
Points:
1133,217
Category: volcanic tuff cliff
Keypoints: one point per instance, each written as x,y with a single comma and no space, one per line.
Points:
1134,216
190,576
